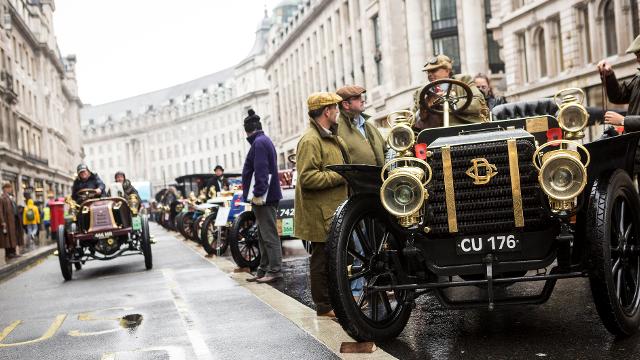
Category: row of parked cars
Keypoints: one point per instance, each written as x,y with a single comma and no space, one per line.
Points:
222,222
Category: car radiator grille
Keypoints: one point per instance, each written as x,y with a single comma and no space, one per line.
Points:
485,208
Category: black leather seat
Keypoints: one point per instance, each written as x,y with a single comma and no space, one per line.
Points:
523,109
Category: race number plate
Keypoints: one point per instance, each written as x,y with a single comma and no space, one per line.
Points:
136,223
487,244
287,227
222,216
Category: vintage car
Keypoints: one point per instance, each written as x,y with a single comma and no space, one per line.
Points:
102,229
491,206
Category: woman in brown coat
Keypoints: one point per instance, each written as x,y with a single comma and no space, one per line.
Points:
8,231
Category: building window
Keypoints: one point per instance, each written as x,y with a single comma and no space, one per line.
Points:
496,65
542,53
583,30
522,58
377,56
609,26
444,33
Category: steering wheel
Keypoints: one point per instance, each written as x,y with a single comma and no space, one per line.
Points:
87,193
292,158
432,102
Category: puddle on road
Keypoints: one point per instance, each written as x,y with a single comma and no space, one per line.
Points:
131,322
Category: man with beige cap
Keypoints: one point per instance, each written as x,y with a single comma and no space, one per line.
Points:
441,67
319,191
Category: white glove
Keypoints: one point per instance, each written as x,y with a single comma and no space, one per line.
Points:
257,201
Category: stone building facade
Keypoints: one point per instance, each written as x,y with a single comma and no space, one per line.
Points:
184,129
321,45
39,105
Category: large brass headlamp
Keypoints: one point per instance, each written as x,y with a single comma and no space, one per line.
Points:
572,115
134,204
403,191
562,174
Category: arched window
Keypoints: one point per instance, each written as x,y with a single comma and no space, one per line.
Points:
610,28
542,53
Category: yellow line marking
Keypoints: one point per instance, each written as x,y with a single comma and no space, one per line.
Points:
49,333
108,356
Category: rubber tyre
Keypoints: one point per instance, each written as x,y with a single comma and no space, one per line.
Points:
178,222
598,224
196,229
349,315
145,243
239,242
221,244
63,255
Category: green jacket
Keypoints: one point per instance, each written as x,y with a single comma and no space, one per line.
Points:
319,191
476,112
367,150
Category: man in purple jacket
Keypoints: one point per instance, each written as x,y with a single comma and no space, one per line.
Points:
261,186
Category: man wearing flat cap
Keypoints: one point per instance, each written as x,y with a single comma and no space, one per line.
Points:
364,142
86,180
627,92
441,67
261,186
319,190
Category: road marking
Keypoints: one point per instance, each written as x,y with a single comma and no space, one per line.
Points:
88,316
173,352
57,322
195,337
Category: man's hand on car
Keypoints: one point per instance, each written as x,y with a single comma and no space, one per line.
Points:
99,191
257,201
613,118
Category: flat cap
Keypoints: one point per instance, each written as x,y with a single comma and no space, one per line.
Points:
320,99
81,168
635,46
437,62
349,91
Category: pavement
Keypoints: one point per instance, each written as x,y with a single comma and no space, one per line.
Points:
186,307
17,265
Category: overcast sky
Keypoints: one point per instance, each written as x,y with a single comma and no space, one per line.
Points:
129,47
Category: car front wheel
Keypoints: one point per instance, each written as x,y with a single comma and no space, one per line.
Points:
63,254
613,232
360,244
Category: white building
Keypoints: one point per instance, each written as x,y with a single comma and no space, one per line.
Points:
39,104
184,129
321,45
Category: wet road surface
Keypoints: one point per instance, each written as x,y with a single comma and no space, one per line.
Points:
185,308
566,327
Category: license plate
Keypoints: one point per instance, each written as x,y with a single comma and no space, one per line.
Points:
487,244
136,223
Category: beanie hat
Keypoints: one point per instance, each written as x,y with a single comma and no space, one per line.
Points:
252,122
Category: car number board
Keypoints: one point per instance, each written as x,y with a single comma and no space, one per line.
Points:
471,245
136,223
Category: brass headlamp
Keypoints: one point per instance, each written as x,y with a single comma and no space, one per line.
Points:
572,115
403,190
134,204
401,137
562,173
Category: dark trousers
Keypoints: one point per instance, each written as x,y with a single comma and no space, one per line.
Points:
270,245
319,279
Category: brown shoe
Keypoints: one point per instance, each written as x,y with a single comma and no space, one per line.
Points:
329,313
267,279
254,279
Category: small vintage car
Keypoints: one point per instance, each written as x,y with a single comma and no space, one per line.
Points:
102,229
488,205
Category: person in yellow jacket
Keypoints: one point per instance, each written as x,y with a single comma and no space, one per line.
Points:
31,220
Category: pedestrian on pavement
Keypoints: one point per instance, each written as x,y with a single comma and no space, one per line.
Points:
46,218
319,190
8,231
261,186
484,85
627,92
31,221
364,142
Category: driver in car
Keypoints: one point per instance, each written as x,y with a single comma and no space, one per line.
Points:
128,189
438,68
86,180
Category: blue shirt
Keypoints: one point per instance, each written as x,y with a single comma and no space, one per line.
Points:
359,122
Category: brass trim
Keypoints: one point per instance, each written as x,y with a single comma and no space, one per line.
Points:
111,217
450,197
474,172
518,215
